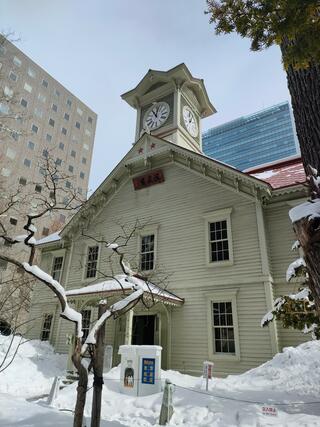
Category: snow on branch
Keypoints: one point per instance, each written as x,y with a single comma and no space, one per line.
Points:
268,317
295,268
308,210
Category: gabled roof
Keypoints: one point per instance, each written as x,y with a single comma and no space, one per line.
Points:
281,174
180,75
144,152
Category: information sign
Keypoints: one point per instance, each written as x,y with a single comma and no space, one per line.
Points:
148,370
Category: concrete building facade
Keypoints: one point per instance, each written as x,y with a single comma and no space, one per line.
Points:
48,121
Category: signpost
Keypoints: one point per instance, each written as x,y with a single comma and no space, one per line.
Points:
207,372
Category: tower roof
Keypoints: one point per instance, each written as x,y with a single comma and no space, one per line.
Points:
179,76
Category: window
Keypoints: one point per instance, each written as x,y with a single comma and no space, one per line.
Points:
34,128
46,327
87,132
44,83
45,153
38,188
73,153
54,107
52,195
31,73
13,76
69,103
223,325
38,113
70,168
219,246
84,160
57,268
86,146
92,261
8,92
3,264
27,163
79,190
24,103
45,231
62,218
27,87
2,50
56,93
15,135
51,122
79,111
11,154
48,137
42,171
13,221
17,61
86,319
61,145
77,125
82,175
31,145
22,181
68,184
218,235
66,116
41,97
58,162
4,108
147,252
64,131
90,120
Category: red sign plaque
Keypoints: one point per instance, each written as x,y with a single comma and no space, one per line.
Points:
148,179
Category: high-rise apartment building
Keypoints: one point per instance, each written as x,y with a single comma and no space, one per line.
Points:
48,120
252,140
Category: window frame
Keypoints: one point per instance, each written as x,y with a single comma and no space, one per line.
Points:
85,278
58,254
216,216
42,325
87,328
147,231
229,295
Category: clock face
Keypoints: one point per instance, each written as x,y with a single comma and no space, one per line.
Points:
156,115
190,121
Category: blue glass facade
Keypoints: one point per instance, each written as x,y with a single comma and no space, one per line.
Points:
252,140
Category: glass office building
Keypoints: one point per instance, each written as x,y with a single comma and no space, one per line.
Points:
252,140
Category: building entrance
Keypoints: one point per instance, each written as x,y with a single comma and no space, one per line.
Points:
143,329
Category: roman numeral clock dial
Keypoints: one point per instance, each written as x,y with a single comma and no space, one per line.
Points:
156,115
190,121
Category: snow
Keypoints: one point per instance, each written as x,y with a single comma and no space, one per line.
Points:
264,175
290,377
310,209
112,246
32,228
293,267
51,238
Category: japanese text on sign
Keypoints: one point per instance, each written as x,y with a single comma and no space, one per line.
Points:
148,371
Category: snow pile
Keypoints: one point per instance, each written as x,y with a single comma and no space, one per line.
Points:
295,370
310,209
32,371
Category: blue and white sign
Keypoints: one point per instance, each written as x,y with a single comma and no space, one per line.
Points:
148,370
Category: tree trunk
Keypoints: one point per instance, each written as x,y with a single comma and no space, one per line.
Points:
309,238
97,364
82,385
304,88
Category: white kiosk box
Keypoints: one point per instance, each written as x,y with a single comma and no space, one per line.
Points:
140,369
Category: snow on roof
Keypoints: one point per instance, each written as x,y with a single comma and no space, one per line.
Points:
51,238
284,173
120,283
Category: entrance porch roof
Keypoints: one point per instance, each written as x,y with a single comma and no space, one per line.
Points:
119,285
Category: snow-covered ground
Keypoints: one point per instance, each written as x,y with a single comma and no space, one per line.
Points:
292,376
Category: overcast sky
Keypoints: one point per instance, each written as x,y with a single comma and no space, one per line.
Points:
99,49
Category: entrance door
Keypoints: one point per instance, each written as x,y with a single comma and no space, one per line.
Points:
143,329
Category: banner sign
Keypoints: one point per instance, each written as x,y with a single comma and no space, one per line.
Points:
270,410
148,371
148,179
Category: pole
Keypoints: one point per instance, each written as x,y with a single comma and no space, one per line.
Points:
167,405
97,363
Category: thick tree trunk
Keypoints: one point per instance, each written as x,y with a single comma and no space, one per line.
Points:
304,87
309,237
97,364
82,385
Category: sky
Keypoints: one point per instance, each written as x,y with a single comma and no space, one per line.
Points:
99,49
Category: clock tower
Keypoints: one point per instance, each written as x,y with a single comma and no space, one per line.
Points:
170,105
